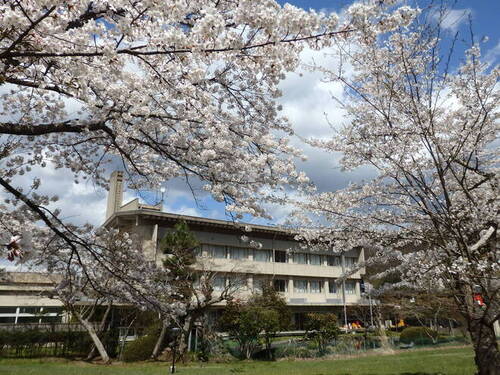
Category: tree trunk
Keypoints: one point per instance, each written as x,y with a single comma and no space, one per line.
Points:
161,338
95,338
384,341
268,343
183,340
484,340
101,329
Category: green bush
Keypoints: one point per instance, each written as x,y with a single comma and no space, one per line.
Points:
305,353
321,329
418,336
140,349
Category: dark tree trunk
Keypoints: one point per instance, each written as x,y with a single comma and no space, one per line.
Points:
484,340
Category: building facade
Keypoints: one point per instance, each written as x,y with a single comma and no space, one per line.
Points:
307,279
23,299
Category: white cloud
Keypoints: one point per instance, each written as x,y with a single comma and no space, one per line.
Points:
308,104
493,54
452,19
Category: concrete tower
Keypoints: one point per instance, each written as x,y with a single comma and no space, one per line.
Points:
115,194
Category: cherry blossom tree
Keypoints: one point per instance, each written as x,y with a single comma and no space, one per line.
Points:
114,273
166,89
431,132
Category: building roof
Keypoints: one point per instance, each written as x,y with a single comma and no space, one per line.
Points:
223,225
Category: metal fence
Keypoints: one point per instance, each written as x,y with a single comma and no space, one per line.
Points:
50,340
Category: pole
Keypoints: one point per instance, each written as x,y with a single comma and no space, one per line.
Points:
342,258
370,303
172,369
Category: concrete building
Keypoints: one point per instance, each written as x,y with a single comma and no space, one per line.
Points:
307,279
23,299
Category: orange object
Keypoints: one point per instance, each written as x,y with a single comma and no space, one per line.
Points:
478,298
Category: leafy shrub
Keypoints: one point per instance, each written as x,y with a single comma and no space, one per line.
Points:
322,329
418,336
140,349
303,352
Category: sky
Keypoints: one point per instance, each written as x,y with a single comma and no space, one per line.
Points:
306,102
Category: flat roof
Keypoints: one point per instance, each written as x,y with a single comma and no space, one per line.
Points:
223,224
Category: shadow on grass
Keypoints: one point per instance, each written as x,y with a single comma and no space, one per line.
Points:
403,373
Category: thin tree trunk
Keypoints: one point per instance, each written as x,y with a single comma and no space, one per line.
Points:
101,329
384,341
95,338
161,338
186,331
485,344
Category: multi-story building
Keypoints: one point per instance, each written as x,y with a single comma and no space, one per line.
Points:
307,279
23,299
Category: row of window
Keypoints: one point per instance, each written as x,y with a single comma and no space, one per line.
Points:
35,314
281,285
228,252
313,286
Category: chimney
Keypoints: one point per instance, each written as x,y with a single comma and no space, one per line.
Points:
115,194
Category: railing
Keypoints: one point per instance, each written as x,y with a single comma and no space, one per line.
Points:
51,340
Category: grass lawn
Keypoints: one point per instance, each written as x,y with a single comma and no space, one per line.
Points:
444,361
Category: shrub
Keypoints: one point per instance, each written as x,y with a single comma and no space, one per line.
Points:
140,349
418,336
305,353
321,328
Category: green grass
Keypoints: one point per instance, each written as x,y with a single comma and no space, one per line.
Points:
445,361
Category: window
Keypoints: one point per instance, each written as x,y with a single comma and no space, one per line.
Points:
29,310
350,287
350,262
300,286
8,319
238,253
333,260
8,310
237,281
315,286
300,258
262,255
257,285
219,283
332,287
51,319
28,319
315,259
52,310
198,251
280,285
217,251
280,256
